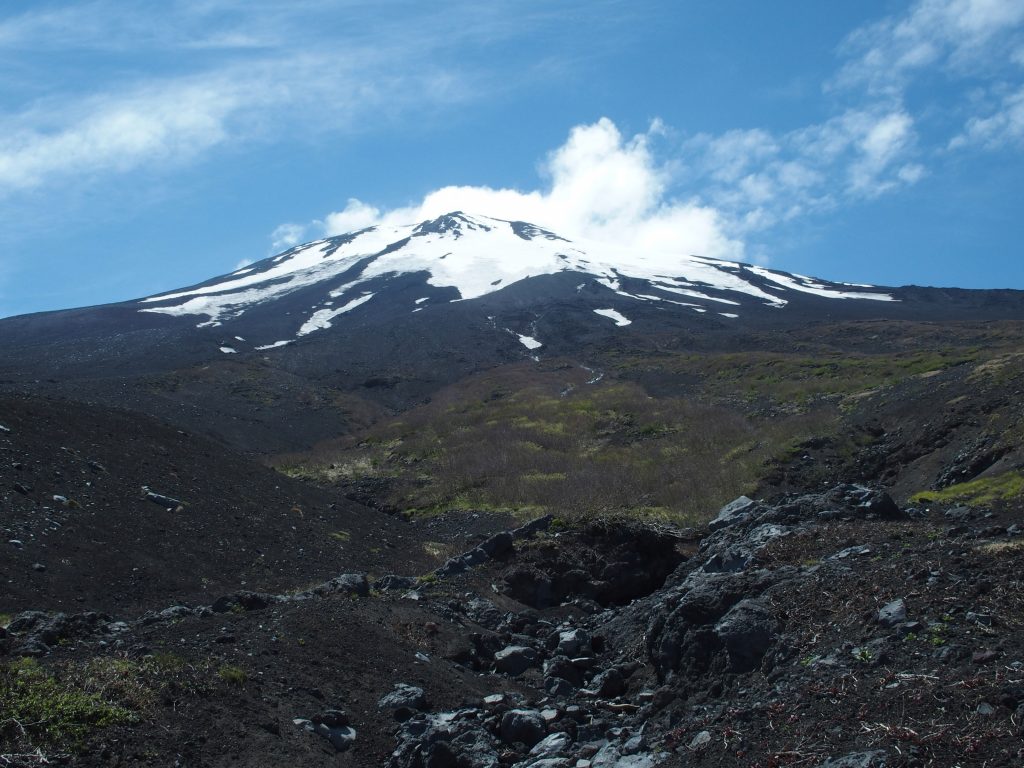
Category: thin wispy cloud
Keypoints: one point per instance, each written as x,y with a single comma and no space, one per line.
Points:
959,37
258,71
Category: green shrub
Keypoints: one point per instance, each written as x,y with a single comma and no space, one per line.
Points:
50,711
232,675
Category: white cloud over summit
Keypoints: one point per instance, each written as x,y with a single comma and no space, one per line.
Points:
601,186
707,195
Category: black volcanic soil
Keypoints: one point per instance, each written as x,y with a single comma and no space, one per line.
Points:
78,532
247,649
945,687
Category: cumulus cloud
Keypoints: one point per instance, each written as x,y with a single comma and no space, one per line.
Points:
758,180
287,235
709,196
601,185
356,215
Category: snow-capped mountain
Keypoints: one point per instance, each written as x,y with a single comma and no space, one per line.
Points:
477,256
294,348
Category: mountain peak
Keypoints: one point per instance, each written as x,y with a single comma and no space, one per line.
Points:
454,223
480,255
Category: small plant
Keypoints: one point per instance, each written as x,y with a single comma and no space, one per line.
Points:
863,655
232,675
340,535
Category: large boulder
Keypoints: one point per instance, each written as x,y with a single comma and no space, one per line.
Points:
736,511
747,631
515,659
523,726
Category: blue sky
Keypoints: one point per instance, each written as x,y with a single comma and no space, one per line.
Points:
149,145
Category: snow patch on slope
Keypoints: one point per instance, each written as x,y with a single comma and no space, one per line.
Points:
809,285
322,318
616,316
275,345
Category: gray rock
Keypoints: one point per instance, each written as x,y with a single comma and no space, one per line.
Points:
41,631
867,501
403,699
515,659
550,715
747,631
391,581
333,718
525,726
242,600
533,527
556,686
700,741
26,621
893,613
444,740
341,736
498,544
161,500
875,758
610,756
984,619
346,583
563,667
634,745
608,684
574,642
331,725
551,745
842,554
736,511
484,612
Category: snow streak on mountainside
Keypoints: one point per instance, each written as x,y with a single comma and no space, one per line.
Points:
478,255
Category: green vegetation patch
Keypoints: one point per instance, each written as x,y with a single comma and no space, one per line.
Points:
546,446
59,708
983,490
232,675
51,711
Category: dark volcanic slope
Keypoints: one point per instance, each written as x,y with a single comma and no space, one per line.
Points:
77,532
318,341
